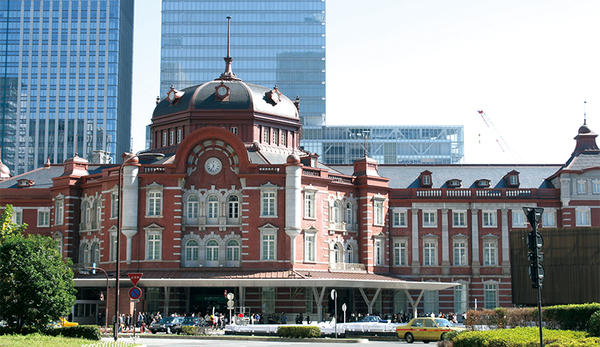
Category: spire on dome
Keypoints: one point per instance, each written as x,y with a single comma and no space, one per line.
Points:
228,74
585,141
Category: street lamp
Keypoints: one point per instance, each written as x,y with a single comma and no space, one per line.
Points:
94,267
334,297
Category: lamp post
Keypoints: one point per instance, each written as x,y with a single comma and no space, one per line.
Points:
334,297
106,298
117,257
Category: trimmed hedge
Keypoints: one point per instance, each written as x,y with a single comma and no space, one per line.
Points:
90,332
299,331
568,317
593,327
190,330
518,337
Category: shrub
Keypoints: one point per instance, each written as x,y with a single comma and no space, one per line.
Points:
190,330
523,337
593,326
90,332
299,331
570,317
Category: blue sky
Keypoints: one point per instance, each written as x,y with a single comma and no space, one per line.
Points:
528,64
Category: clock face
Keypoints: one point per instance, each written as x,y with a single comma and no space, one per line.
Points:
213,165
222,91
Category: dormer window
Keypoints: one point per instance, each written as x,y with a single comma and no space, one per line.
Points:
453,183
425,179
512,179
24,182
174,95
482,183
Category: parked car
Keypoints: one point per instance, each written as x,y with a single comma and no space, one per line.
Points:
372,319
167,324
193,321
426,329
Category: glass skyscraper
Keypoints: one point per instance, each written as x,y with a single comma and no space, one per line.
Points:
65,73
273,42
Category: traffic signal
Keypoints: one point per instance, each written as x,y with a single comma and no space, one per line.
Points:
535,242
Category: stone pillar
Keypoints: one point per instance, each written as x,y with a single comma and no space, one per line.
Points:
505,243
415,241
129,204
445,243
475,264
293,202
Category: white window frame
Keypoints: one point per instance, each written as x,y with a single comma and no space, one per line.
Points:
430,250
192,208
43,217
58,238
460,217
426,180
513,180
113,244
490,288
211,252
114,204
310,199
17,216
399,218
153,236
268,203
429,218
233,208
59,211
462,291
595,186
378,211
549,218
212,208
581,186
310,246
492,219
518,219
192,251
268,233
348,214
179,135
490,252
378,251
460,245
95,253
583,217
349,254
153,202
84,254
233,253
400,251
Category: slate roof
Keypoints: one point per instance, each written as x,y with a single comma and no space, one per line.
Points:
407,176
41,176
583,161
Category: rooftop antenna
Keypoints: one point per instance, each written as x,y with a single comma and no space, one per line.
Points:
584,113
228,74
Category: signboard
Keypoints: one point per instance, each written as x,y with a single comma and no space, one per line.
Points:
230,296
135,278
135,293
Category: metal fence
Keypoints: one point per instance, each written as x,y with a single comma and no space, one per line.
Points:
571,266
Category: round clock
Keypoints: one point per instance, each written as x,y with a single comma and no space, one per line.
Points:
222,91
213,165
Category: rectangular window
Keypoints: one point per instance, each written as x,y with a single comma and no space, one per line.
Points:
489,253
378,252
309,243
275,137
114,205
284,138
459,219
595,187
171,137
266,134
113,246
268,300
309,205
429,219
460,252
18,216
460,299
399,218
59,212
400,253
429,253
488,218
549,218
518,219
581,187
268,204
234,130
268,246
582,217
43,218
154,208
490,295
179,135
164,138
153,246
378,211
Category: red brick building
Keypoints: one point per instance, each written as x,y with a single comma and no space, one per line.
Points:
226,200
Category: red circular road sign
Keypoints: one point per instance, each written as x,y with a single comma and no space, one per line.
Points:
135,293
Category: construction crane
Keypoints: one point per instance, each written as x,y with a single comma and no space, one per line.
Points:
497,136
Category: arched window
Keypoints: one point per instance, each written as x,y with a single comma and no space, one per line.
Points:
337,209
94,215
233,250
213,207
84,254
191,250
348,217
336,254
233,207
349,254
192,208
84,214
95,253
212,251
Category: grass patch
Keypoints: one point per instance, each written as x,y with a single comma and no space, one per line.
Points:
518,337
37,340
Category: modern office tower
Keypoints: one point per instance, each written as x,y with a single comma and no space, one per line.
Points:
65,74
387,144
273,42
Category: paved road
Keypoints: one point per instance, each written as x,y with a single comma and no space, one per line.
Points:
244,343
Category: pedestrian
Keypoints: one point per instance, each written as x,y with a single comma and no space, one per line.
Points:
283,318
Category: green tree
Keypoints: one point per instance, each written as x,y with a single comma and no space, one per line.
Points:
7,226
36,285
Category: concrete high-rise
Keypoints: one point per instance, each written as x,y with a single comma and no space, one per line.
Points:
65,73
273,42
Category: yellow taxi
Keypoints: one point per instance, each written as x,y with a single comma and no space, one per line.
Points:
426,329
